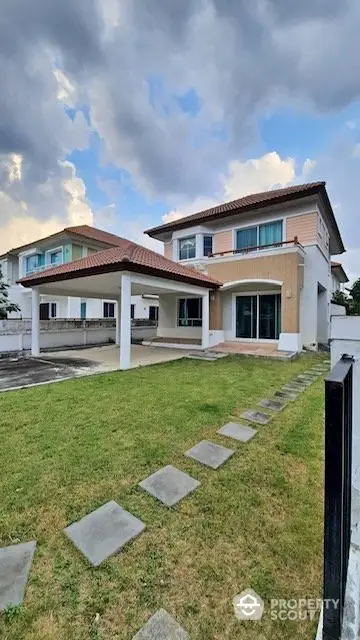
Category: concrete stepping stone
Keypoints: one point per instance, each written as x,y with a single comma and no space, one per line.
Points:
210,454
104,532
162,626
321,367
293,388
312,373
237,431
296,384
274,405
169,485
15,565
286,395
256,416
304,381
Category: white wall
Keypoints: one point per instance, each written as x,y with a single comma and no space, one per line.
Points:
316,269
337,310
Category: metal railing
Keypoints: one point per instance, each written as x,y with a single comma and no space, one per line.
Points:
337,521
274,245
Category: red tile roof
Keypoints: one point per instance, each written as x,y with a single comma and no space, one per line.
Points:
254,201
126,256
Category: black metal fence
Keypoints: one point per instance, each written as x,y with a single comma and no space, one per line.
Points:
337,525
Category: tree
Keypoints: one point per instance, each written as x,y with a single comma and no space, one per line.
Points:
355,291
5,305
341,298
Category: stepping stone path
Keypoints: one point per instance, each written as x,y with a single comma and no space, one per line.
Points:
210,454
256,416
304,381
294,387
286,395
162,626
169,485
104,532
274,405
15,565
237,431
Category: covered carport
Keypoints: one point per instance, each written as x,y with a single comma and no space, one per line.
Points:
117,274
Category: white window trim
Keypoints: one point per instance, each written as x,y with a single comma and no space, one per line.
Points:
233,314
48,253
185,297
257,225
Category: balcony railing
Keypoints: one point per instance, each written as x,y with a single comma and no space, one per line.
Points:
274,245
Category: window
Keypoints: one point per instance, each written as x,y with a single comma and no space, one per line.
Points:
132,312
83,310
208,245
251,238
109,310
47,310
33,262
187,248
56,257
154,313
190,312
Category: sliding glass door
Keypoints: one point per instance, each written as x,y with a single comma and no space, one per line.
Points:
258,316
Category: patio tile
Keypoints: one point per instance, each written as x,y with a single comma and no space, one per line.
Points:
286,395
256,416
104,532
237,431
210,454
169,485
274,405
15,565
161,626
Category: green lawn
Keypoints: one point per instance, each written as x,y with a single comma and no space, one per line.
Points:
69,447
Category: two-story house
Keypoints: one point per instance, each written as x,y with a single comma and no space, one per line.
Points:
72,243
272,252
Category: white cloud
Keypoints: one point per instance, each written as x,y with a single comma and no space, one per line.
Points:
250,176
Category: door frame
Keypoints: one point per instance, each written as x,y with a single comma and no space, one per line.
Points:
237,294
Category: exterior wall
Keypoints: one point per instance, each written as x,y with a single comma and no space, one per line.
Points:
77,252
285,268
337,310
316,270
167,327
215,304
223,241
302,226
168,251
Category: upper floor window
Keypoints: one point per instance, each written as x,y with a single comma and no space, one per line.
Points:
208,245
187,248
261,235
56,257
33,262
109,309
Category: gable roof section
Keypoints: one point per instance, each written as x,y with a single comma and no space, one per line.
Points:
339,271
127,256
255,201
80,232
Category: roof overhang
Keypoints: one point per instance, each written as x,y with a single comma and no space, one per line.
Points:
51,276
338,270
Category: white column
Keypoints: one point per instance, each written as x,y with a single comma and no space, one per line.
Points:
125,322
205,321
35,322
118,321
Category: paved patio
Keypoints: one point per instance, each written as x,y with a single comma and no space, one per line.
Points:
255,349
16,373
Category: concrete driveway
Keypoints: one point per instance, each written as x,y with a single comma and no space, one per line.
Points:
16,373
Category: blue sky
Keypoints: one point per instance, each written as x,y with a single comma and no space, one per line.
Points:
124,115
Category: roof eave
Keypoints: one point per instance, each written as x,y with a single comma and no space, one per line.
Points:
185,222
119,266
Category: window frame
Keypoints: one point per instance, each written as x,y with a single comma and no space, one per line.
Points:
257,226
109,305
189,322
207,236
180,240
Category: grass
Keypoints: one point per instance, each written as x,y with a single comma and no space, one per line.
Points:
69,447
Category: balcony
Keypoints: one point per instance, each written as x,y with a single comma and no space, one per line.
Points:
259,249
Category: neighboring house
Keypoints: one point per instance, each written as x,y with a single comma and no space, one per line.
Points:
72,243
338,277
272,252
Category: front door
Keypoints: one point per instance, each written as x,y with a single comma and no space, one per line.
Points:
258,316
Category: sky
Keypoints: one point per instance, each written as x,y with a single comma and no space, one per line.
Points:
128,113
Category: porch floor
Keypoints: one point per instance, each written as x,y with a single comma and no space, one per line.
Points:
255,349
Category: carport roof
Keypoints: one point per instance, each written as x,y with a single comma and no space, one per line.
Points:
127,256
